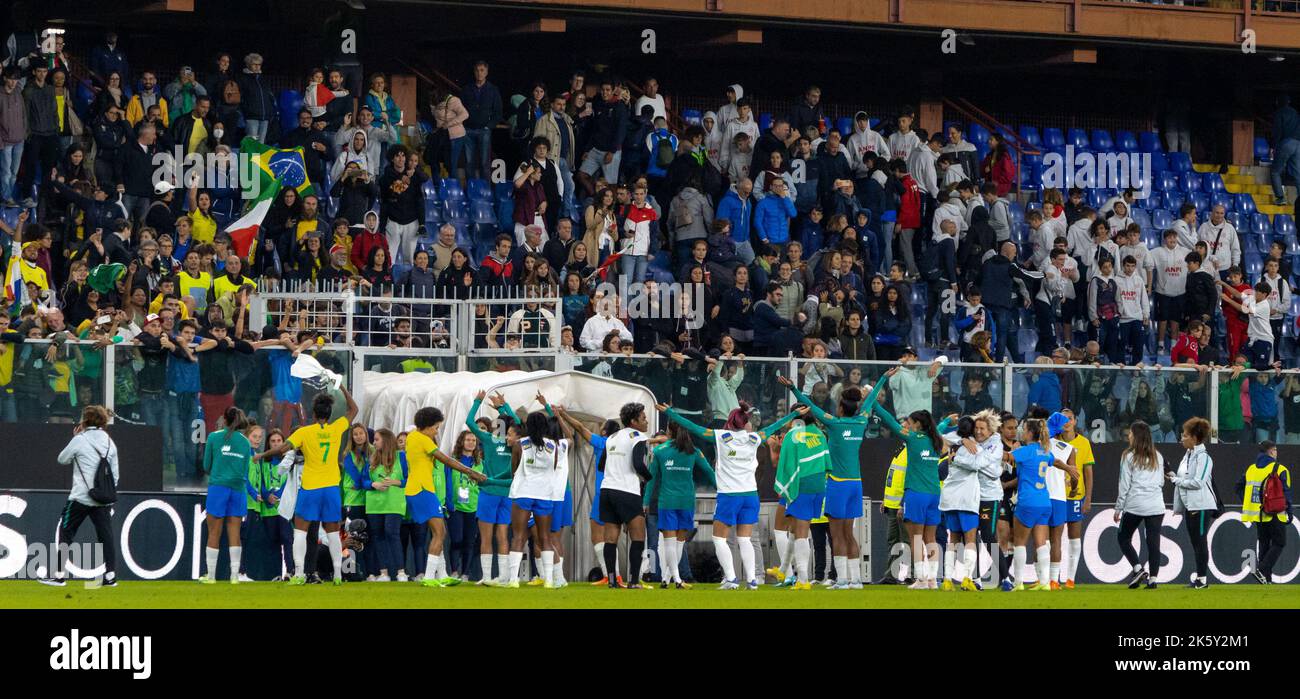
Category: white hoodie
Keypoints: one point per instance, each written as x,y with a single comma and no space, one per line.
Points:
713,139
728,111
902,144
961,490
729,152
862,141
1228,250
1132,297
920,165
951,210
1171,270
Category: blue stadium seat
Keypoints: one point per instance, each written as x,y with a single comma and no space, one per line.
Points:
289,103
1162,219
480,190
1223,199
1101,140
1167,181
1260,225
400,270
764,121
1212,182
482,211
1149,142
1029,134
1284,224
692,116
1017,212
1159,163
1236,220
1154,200
978,135
1174,199
1180,162
1262,150
504,191
455,209
1033,206
1031,177
432,211
450,189
1253,264
1097,196
1151,238
1202,203
462,232
1189,181
1245,203
430,191
1077,138
1141,217
1126,141
844,125
1053,138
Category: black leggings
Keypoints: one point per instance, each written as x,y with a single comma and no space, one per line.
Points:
1272,537
1128,524
821,533
1198,523
74,513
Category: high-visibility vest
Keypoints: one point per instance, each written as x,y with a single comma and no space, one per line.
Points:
1254,493
894,480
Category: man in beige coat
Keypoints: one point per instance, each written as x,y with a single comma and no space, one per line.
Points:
557,128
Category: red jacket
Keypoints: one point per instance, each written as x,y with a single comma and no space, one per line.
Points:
363,243
1002,173
909,205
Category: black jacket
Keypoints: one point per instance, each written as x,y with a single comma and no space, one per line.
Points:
183,127
137,169
1201,295
609,125
314,159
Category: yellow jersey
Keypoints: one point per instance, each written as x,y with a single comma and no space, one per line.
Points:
195,287
319,445
419,463
1082,459
203,229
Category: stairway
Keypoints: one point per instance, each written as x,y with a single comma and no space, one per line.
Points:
1254,180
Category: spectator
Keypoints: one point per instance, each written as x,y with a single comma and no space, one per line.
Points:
1286,147
912,385
402,202
256,100
998,170
13,134
808,112
145,98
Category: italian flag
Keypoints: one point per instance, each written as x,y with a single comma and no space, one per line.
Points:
243,233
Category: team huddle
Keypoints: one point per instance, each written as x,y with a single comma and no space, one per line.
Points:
962,488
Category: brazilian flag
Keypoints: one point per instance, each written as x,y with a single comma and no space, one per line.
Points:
275,168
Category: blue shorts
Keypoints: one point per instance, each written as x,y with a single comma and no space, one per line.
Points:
1058,514
562,512
676,520
1031,516
961,522
226,502
735,510
595,500
807,507
1073,511
921,508
539,508
424,506
322,504
493,509
843,499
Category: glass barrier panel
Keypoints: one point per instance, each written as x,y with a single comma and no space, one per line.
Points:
51,383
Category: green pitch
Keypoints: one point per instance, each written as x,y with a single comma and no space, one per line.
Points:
192,595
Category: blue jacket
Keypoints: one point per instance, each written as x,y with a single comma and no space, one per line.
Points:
738,212
652,161
767,322
1263,399
483,104
810,235
1046,391
772,219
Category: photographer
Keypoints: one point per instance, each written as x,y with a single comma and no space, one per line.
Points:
89,446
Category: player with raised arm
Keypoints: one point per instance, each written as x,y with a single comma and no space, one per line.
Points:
1034,461
626,452
597,441
423,503
925,449
737,454
539,460
320,498
494,493
843,502
672,469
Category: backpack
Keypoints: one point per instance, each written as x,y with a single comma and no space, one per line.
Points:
1273,500
104,489
664,152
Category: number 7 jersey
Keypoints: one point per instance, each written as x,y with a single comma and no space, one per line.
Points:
319,445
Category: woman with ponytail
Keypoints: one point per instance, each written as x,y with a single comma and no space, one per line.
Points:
226,459
1034,461
355,459
737,453
540,462
925,449
385,485
844,481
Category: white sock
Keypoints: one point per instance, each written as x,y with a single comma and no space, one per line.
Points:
1018,564
841,568
1054,572
336,553
512,569
668,566
299,551
431,566
212,561
855,568
723,552
802,552
235,553
548,566
950,561
956,557
1076,551
968,561
557,570
485,562
746,557
1042,563
781,538
600,558
934,568
503,567
904,567
442,566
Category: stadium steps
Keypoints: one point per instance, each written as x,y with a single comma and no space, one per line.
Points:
1253,180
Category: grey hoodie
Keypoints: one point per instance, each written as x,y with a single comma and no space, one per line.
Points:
83,454
691,201
374,136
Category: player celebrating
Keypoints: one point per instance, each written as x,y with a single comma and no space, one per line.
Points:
1057,486
494,494
1034,461
597,442
925,449
1078,498
672,468
844,489
978,457
320,498
620,493
1008,433
991,490
801,481
226,459
540,459
737,450
423,503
